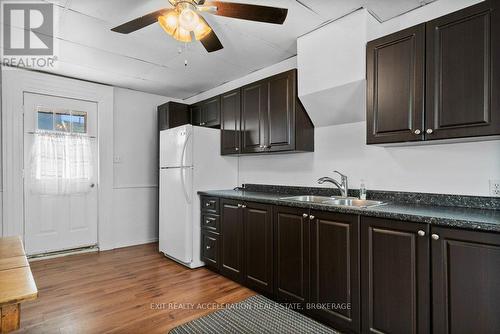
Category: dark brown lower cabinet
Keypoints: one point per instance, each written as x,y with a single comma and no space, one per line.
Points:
210,249
465,281
335,297
258,224
232,233
292,254
395,276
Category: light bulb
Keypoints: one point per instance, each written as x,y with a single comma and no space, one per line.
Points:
202,29
188,19
169,22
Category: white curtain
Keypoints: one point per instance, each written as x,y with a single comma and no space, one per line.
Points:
61,164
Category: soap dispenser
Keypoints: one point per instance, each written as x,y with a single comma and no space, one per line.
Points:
362,190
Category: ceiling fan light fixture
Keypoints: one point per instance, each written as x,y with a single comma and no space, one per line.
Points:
188,18
182,35
202,30
169,22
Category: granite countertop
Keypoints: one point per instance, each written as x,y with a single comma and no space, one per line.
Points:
459,217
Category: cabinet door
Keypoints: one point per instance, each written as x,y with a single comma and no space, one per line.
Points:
231,245
210,112
463,73
281,127
196,115
292,254
210,249
395,282
230,122
335,269
253,117
258,222
465,281
395,87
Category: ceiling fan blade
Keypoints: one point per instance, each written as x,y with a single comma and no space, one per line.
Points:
249,12
211,42
140,22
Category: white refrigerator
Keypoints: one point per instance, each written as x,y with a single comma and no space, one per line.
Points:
190,161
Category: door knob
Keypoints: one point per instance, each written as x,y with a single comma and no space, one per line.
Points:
435,237
418,131
421,233
305,215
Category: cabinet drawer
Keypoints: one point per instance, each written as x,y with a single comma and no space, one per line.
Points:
210,222
210,249
210,204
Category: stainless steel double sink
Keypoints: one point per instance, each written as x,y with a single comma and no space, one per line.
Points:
335,201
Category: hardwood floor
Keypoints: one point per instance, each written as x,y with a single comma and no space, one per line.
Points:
121,291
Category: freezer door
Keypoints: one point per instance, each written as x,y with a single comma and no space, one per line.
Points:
175,216
176,147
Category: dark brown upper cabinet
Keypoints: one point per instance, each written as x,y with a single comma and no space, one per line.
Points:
272,117
460,56
172,114
395,87
230,122
395,274
463,60
335,269
465,281
206,113
254,112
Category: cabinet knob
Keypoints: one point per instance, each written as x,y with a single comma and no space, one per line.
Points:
418,131
311,217
262,146
236,149
239,205
243,206
429,131
435,237
208,247
305,215
421,233
207,221
207,204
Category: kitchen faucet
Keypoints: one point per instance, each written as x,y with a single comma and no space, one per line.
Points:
343,187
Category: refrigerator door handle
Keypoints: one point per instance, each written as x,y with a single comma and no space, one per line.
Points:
183,182
188,137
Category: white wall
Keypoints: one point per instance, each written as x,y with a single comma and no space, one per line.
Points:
135,174
463,168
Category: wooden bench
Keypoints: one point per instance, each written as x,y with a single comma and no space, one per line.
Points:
16,283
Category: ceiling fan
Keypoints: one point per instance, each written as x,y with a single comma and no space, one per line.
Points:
185,24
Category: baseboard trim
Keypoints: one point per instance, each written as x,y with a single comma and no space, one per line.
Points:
135,243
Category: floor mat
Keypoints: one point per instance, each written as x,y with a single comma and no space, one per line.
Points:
254,315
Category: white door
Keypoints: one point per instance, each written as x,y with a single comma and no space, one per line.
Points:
176,147
176,223
57,221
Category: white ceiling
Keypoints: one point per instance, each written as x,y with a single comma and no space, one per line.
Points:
149,60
